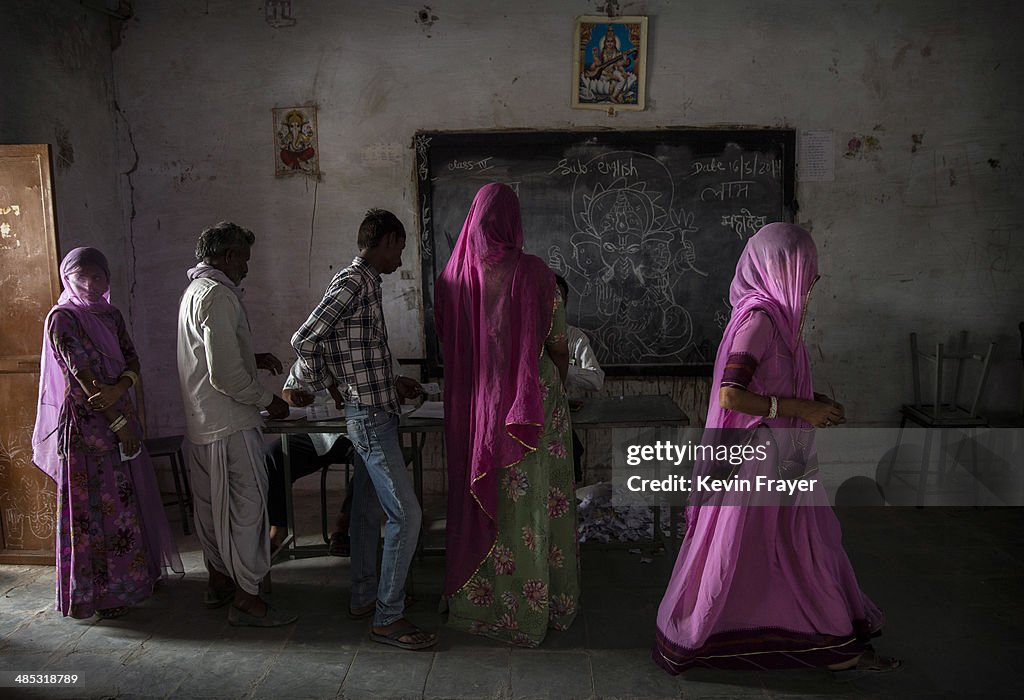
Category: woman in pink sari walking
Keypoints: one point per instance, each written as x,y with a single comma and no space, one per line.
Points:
763,582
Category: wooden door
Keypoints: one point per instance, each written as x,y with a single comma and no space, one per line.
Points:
29,286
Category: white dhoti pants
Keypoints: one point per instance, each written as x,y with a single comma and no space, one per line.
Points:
229,493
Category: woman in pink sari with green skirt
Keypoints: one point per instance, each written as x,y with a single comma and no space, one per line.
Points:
511,566
113,540
762,582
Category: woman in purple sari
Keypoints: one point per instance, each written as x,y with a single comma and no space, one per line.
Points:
511,568
113,540
763,582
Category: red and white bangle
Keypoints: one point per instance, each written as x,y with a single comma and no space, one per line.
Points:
773,410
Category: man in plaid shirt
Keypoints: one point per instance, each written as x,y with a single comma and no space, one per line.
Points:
343,348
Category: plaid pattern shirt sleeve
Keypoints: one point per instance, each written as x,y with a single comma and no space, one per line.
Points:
317,342
345,339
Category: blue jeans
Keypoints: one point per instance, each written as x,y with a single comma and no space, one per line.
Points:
380,468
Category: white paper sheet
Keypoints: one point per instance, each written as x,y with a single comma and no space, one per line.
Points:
431,388
294,413
126,458
817,156
324,411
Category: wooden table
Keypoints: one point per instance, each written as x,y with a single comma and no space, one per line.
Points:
628,412
597,413
417,428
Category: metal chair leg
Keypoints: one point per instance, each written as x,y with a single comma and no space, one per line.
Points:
323,504
187,483
895,452
184,497
922,481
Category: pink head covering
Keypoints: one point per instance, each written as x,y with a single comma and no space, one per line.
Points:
775,273
98,321
493,308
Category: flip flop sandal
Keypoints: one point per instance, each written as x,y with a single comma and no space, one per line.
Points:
394,638
218,599
111,613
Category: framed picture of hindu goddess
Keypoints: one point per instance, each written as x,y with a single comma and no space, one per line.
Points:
609,63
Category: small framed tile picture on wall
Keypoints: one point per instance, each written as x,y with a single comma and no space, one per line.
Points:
295,146
609,63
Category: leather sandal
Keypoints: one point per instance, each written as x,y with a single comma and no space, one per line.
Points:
111,613
394,638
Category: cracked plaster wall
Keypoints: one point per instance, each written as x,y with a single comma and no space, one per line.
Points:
57,82
917,232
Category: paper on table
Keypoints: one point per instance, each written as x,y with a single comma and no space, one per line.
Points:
324,411
126,458
429,409
294,413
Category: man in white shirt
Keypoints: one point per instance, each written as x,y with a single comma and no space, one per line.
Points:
585,374
223,396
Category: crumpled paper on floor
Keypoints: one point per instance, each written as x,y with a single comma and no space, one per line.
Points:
601,520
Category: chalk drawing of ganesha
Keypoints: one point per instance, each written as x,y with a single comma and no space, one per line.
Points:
629,251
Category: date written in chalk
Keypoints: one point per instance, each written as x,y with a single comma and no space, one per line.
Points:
45,679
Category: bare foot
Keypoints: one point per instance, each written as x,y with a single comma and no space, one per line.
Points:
869,661
844,665
277,535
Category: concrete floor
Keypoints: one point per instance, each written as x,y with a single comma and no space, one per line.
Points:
950,580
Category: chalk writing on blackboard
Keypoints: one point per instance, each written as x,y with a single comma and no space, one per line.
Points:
744,223
645,226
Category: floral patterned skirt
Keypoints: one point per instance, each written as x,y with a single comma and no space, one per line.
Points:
101,547
530,581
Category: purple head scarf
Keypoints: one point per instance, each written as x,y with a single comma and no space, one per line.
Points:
97,318
493,308
774,274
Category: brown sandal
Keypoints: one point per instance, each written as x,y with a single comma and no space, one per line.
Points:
394,638
111,613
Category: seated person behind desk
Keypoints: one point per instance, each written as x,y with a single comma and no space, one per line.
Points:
584,374
309,452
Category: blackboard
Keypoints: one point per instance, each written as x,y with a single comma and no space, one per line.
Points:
646,226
